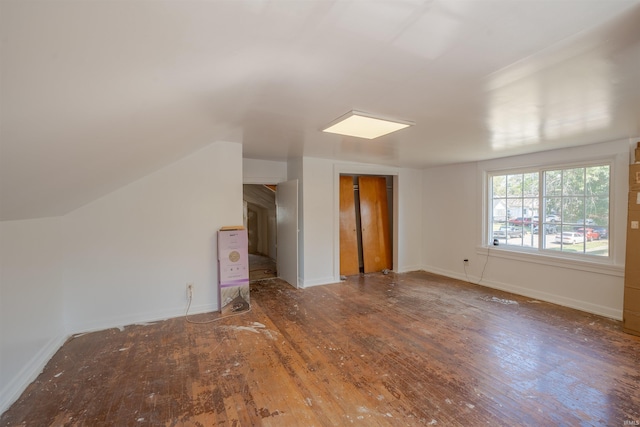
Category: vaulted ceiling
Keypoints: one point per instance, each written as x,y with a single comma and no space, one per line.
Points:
96,94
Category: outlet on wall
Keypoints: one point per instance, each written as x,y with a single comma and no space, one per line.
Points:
189,290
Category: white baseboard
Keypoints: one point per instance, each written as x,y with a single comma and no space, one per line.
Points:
318,282
12,391
533,293
155,316
408,268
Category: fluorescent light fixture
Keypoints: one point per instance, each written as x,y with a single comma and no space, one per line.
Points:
365,125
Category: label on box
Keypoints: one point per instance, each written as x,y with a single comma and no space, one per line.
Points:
634,201
634,176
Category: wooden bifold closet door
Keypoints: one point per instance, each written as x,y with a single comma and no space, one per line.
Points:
374,219
349,264
374,225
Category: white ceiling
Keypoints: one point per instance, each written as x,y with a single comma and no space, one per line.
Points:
96,94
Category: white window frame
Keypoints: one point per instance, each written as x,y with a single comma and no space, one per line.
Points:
541,254
618,152
610,265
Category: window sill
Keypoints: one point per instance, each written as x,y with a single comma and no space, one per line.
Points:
554,261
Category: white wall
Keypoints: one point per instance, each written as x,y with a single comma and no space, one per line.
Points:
320,210
31,301
449,219
263,171
122,259
132,252
409,220
452,231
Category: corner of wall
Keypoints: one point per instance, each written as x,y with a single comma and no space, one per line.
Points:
29,372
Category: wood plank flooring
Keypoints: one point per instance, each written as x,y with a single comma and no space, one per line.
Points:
377,350
261,267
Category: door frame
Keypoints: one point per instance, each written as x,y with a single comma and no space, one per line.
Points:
345,169
275,181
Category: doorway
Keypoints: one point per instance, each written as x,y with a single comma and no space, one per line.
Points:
259,203
366,218
271,220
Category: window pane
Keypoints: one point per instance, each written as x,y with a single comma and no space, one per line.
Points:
573,210
553,183
530,185
530,235
549,232
597,228
573,182
530,207
499,186
513,215
500,210
514,209
597,210
553,209
597,181
514,185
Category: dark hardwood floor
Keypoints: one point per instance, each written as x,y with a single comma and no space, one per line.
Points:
379,350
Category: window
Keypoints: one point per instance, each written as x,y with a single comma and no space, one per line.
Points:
553,210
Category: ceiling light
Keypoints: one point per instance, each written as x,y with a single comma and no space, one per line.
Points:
365,125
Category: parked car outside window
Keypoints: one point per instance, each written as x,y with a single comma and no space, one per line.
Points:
520,221
548,229
570,238
507,232
552,218
589,233
602,232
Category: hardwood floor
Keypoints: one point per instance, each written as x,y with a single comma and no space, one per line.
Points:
378,350
261,267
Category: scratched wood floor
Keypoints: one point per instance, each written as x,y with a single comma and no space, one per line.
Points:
379,350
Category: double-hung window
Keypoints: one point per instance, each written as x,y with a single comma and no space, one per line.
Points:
551,210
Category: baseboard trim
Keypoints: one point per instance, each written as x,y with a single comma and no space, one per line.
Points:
408,268
148,317
318,282
12,391
532,293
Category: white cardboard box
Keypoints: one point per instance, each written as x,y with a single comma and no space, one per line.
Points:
233,269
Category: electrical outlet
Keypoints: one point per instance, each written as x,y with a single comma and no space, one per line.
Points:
189,290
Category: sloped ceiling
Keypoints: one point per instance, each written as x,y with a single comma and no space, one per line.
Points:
259,195
96,94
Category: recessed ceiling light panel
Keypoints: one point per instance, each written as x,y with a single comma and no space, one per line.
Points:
365,125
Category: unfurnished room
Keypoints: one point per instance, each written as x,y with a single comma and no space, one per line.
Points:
319,212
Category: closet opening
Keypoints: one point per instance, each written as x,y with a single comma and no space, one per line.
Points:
366,218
